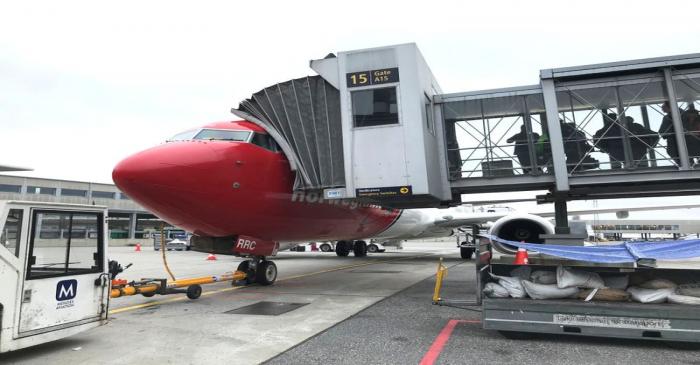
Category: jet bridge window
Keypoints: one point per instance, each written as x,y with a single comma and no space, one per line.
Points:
65,243
10,235
374,107
223,135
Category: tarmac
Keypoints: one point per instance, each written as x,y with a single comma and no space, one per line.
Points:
371,310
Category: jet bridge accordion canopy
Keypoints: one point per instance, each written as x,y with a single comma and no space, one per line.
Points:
303,116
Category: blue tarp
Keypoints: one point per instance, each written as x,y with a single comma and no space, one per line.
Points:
624,252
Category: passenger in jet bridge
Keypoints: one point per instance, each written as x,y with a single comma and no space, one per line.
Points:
521,148
667,132
691,122
609,140
641,139
576,148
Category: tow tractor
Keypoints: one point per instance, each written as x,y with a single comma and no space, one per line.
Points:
56,278
53,270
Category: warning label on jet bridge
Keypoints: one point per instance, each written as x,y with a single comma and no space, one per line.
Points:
614,322
384,192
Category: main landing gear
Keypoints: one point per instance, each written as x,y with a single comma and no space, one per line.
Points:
359,248
258,270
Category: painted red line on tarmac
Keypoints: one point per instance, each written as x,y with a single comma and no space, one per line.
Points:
436,348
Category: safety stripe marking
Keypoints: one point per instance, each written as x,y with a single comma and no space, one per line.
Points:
436,348
181,298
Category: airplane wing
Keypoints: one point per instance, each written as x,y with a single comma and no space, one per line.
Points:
465,218
8,168
454,221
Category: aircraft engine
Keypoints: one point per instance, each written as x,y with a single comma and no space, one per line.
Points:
519,227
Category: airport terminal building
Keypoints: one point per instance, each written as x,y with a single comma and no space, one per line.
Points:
128,222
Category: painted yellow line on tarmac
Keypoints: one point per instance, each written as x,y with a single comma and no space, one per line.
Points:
212,292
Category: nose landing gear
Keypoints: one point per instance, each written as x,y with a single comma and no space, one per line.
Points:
258,270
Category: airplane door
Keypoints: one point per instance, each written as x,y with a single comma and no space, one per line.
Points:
64,262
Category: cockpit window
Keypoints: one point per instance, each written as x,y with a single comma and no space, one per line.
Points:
183,136
265,141
223,135
212,135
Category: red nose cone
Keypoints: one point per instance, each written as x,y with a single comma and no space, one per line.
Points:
168,180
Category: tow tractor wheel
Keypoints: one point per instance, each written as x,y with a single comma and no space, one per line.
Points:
342,248
194,291
360,249
466,252
245,267
149,294
266,273
325,247
372,248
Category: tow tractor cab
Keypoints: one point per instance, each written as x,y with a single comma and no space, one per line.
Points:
54,279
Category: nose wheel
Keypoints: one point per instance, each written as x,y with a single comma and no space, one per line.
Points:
258,270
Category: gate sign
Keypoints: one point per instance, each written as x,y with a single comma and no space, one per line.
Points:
66,290
372,77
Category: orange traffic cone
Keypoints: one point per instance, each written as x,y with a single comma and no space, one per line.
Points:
211,257
138,248
521,257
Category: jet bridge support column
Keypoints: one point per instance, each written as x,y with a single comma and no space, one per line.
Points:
561,215
558,162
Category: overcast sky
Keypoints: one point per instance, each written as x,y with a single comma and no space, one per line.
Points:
85,84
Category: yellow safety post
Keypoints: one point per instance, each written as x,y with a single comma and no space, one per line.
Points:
441,275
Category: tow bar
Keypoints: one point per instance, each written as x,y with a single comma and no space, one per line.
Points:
151,287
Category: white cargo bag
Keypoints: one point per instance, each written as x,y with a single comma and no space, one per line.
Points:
541,291
659,284
692,290
683,299
512,285
493,290
567,277
642,295
543,277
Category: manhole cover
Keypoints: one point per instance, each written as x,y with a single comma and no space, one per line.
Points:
375,272
267,308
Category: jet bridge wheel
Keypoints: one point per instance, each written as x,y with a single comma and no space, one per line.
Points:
342,248
466,252
359,249
266,274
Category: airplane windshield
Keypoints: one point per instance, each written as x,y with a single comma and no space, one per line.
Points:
183,136
223,135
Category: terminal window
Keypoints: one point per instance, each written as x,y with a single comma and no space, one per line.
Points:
373,107
103,194
5,188
74,192
41,190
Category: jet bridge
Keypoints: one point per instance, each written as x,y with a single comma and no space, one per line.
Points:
376,127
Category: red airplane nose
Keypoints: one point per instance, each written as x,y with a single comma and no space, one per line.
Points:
165,179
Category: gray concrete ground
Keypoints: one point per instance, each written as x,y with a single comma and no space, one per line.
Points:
162,330
402,328
374,310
